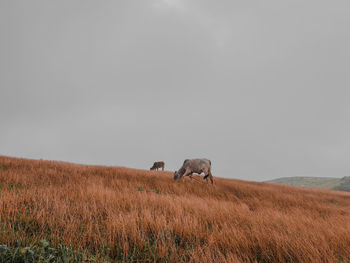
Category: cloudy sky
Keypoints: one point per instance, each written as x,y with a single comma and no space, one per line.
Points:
262,88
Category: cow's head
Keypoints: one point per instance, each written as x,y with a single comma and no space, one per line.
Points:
176,175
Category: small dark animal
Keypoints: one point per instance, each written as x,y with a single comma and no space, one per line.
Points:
195,166
158,165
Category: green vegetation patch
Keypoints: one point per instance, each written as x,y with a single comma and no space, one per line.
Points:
15,186
42,252
141,189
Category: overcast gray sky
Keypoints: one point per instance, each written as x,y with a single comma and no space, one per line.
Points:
259,87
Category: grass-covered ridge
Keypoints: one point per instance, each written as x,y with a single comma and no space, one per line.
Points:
111,214
316,182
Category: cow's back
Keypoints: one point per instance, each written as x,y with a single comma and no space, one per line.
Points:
195,164
157,165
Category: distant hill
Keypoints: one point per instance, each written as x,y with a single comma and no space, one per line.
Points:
316,182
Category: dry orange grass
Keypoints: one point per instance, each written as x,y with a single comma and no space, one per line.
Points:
138,215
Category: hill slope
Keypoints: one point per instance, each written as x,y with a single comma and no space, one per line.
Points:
316,182
128,215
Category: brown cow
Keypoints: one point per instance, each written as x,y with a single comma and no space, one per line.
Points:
158,165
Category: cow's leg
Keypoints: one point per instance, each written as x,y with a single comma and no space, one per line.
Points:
206,177
211,177
163,168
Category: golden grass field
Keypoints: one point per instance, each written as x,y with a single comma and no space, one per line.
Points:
129,215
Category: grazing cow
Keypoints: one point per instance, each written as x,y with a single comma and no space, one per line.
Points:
195,166
158,165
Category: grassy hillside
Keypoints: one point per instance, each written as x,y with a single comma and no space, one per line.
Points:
110,214
316,182
344,184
